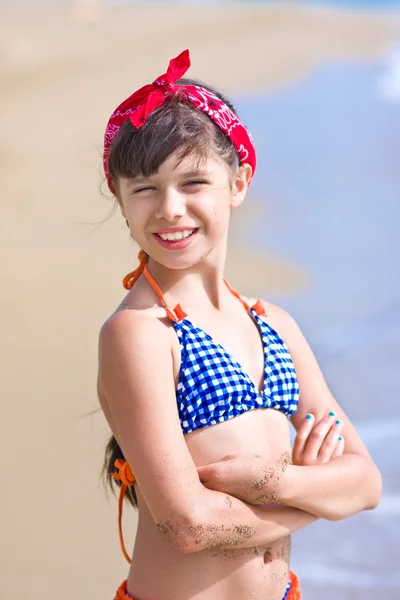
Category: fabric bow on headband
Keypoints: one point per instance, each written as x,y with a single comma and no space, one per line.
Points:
141,104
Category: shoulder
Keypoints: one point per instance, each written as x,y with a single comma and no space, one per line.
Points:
135,339
139,317
282,321
136,336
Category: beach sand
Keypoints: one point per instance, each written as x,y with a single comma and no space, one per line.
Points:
62,70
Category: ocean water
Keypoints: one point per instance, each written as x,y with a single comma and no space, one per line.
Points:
369,4
329,174
361,4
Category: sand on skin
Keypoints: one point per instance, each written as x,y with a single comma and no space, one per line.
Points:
60,76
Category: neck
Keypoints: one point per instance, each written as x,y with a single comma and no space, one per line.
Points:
201,284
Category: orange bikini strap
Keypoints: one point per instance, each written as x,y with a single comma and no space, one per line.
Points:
129,281
175,315
178,313
128,479
258,306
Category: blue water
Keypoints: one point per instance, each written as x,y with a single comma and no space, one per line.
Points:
375,4
329,174
369,4
360,4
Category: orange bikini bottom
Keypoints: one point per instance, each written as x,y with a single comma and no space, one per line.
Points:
293,594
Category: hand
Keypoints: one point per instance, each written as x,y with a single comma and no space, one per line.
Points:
249,478
318,443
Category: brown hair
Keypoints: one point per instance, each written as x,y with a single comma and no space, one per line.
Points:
174,126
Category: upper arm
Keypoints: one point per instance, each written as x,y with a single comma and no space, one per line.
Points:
315,395
137,383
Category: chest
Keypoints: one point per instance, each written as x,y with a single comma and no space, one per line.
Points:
214,386
243,341
238,338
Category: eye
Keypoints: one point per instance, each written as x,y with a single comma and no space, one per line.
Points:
143,189
196,182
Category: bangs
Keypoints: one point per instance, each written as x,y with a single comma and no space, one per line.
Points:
173,128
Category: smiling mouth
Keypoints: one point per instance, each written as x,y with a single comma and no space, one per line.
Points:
176,240
176,236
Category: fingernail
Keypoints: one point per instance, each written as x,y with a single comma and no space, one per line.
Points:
309,417
338,422
340,439
331,414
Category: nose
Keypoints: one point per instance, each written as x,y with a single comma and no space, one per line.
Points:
172,205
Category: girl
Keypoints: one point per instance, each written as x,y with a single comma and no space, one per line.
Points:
190,371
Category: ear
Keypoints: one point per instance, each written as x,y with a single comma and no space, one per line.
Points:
240,184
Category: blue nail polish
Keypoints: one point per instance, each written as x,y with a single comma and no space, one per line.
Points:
340,439
338,422
331,414
309,417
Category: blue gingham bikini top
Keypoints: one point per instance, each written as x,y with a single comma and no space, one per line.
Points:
212,386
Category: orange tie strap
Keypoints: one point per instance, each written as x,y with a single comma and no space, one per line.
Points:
129,280
258,307
127,478
294,592
175,315
178,314
122,593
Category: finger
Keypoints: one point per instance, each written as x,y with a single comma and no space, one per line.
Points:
339,448
330,442
217,486
302,437
213,479
213,475
208,473
202,473
317,437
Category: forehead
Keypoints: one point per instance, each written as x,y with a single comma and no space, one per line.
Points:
176,164
176,167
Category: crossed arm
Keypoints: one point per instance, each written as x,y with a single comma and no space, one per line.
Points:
330,478
193,516
322,480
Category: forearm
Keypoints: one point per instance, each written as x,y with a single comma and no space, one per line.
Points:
335,490
222,521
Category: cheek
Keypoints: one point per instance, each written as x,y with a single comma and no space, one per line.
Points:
216,208
137,213
220,214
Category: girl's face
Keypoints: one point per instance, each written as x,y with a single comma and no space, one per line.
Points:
181,214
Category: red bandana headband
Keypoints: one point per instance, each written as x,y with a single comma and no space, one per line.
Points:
141,104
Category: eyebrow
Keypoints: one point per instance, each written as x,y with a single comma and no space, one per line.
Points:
192,173
137,179
195,173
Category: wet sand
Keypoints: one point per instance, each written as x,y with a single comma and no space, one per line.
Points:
61,74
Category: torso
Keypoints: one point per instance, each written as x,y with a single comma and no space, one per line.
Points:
261,573
159,573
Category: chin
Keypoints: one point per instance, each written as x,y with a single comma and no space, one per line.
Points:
181,261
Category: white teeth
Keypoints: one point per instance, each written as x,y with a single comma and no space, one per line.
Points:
178,235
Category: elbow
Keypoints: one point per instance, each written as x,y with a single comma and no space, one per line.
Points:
185,534
189,541
367,497
374,492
